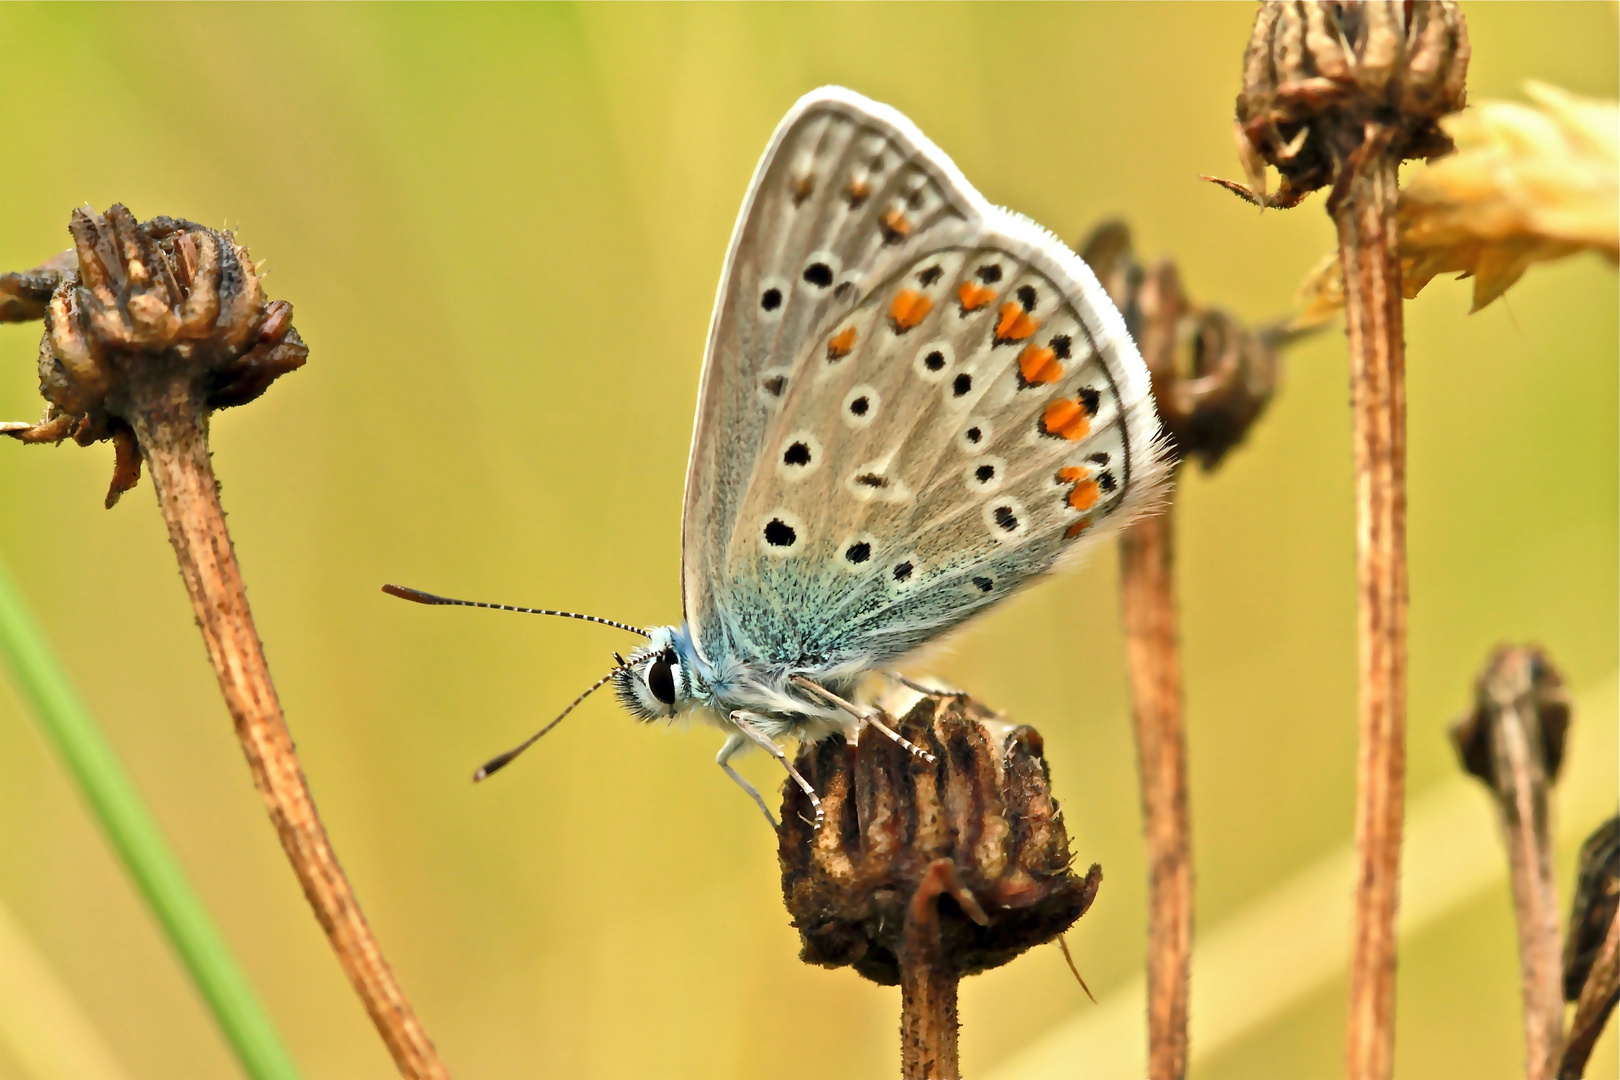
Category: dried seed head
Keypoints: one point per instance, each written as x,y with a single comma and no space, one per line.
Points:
1597,894
970,850
1514,677
164,302
1212,377
1324,81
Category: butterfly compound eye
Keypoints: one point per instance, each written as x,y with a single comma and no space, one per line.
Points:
661,678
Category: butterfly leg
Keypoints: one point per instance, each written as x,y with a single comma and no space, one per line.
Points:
734,743
743,722
865,717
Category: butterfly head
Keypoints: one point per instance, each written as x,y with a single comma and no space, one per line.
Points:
658,680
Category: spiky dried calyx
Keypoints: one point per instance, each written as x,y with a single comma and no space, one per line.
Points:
1326,81
978,826
1212,376
164,303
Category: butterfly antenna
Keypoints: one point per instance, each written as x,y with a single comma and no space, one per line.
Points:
501,761
419,597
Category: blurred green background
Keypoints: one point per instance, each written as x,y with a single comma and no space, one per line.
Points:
501,229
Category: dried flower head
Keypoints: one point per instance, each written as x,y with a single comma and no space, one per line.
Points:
965,859
1526,185
1212,377
1597,895
146,307
1326,80
1514,675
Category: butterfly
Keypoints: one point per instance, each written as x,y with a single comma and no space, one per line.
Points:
912,404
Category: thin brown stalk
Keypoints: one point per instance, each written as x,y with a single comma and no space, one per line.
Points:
928,984
1513,741
1336,96
171,430
1212,378
1597,1001
1147,559
1365,217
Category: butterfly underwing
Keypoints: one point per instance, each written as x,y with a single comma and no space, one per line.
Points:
912,403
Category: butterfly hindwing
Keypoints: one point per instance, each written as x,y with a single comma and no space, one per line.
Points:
965,415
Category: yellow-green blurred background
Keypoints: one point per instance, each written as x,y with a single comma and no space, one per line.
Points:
501,229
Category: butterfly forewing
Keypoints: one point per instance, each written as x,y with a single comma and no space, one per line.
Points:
939,404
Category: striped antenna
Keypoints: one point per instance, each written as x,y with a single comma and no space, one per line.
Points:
419,597
501,761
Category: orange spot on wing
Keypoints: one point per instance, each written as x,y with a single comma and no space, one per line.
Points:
1016,324
842,344
1084,495
1070,473
909,309
1066,419
894,225
973,297
1039,365
856,192
802,188
1077,528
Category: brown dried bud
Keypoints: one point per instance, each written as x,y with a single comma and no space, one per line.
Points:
1597,895
1325,81
24,296
1513,676
165,304
959,865
1212,377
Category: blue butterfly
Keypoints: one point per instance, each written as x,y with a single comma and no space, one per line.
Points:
912,403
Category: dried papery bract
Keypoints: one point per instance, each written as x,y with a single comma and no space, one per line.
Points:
1212,378
152,327
926,872
1527,184
1513,742
1592,950
1337,95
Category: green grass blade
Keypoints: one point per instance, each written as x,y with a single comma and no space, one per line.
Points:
45,687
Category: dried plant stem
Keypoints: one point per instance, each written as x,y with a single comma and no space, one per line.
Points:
1363,208
171,431
928,984
1521,787
1597,1001
1147,554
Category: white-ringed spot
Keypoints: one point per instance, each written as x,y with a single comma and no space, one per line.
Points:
984,474
974,436
821,269
773,384
1005,518
856,553
781,532
905,571
860,406
873,482
798,456
772,299
933,361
